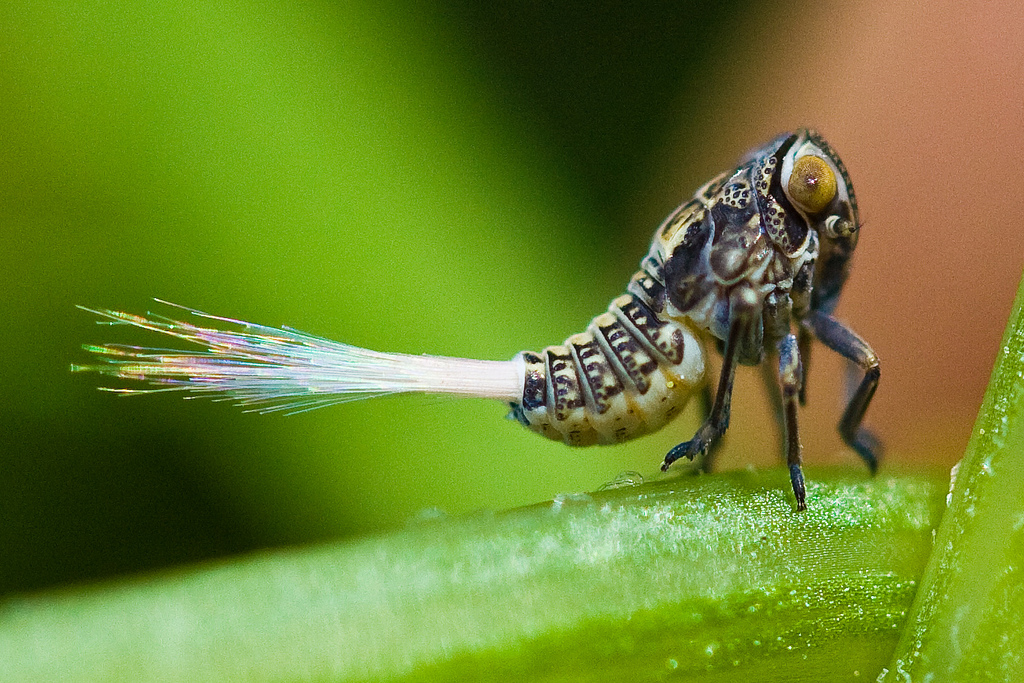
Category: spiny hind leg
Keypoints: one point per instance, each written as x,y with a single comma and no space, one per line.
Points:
844,341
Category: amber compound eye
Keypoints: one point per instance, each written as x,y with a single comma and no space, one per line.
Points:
812,184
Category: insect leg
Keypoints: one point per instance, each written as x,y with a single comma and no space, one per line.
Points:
770,377
790,381
804,339
705,462
844,341
741,312
707,400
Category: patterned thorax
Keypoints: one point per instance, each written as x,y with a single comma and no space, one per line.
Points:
744,229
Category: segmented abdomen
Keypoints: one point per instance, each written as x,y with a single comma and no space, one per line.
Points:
628,374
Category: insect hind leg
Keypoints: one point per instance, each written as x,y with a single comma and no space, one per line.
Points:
844,341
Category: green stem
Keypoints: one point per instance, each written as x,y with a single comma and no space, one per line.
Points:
691,578
968,619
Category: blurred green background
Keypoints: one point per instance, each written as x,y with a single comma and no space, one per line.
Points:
454,178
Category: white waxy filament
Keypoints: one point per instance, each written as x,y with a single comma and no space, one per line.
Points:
281,369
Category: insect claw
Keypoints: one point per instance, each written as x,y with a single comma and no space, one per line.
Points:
687,449
796,476
699,445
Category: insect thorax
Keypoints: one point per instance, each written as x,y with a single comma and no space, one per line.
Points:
735,238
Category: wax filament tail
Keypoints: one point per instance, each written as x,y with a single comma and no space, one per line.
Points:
282,369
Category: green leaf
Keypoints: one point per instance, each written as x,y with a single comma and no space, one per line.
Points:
968,620
685,578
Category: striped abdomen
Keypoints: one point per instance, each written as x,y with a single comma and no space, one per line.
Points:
627,374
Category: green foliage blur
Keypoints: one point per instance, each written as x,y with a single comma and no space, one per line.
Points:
452,178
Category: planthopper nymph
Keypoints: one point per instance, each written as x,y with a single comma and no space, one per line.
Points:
753,263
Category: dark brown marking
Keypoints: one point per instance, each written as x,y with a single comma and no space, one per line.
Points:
647,288
535,383
666,339
632,358
565,384
603,383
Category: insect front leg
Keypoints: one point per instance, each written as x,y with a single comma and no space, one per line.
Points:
790,381
705,462
743,310
804,339
844,341
770,378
